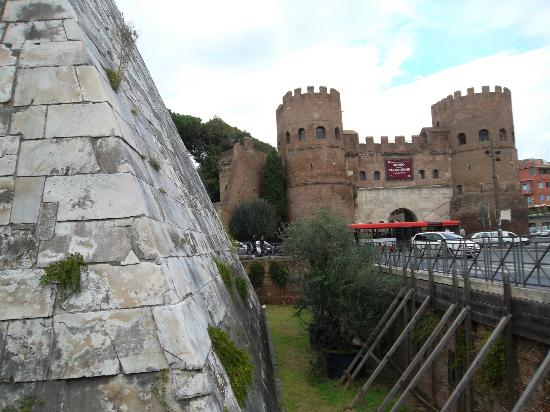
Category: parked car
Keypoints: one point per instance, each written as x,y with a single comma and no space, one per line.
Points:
491,238
440,243
545,233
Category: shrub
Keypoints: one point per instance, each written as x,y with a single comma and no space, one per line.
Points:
256,274
278,274
225,273
343,288
242,288
236,362
66,273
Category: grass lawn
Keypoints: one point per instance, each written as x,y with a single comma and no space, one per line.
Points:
303,392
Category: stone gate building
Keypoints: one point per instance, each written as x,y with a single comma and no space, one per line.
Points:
444,172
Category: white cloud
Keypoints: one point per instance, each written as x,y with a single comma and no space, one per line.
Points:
237,59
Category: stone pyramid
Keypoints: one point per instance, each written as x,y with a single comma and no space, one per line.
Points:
86,169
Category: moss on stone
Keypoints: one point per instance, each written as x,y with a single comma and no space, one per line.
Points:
242,288
66,273
236,362
114,78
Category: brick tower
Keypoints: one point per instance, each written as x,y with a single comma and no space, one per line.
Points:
476,122
311,145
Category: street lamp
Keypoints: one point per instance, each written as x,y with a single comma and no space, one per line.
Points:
495,157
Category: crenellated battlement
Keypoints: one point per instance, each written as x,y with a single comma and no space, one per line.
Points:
332,95
428,139
458,98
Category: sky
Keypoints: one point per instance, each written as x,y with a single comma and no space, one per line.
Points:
390,60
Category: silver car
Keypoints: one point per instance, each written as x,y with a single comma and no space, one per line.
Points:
491,238
444,243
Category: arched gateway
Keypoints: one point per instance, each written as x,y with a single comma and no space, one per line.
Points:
402,215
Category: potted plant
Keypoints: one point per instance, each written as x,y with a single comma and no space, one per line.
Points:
342,289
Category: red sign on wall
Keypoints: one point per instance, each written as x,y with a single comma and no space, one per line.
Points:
398,168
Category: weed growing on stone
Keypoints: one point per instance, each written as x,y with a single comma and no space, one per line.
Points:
25,404
158,389
226,274
256,274
134,112
161,190
66,273
155,164
242,288
114,78
236,362
279,274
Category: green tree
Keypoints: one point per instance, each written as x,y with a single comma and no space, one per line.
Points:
272,187
255,218
343,288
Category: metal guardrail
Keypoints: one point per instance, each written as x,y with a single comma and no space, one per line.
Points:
525,264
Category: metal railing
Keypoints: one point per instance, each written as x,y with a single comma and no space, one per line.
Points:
525,264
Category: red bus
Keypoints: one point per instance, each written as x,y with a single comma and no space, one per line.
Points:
401,232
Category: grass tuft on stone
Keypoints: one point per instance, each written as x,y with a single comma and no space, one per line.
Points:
66,273
236,362
242,288
225,273
114,78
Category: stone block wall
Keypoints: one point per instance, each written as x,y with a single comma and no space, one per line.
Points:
103,173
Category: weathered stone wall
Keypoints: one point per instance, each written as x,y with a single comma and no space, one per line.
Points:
86,169
240,172
426,202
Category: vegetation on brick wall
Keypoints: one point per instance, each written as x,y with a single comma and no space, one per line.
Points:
242,287
256,218
424,328
206,141
236,362
66,273
279,274
272,186
492,371
256,274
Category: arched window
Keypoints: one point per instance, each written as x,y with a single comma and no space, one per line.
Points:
337,132
421,174
461,139
287,137
435,174
301,134
502,135
362,175
320,132
483,135
377,175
